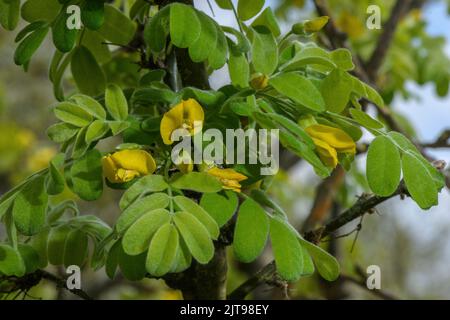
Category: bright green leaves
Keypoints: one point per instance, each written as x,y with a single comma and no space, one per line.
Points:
116,103
157,30
365,120
87,73
30,44
336,89
390,154
137,238
383,166
38,10
268,19
11,263
418,181
286,249
72,114
327,265
9,13
247,244
220,207
299,89
195,235
30,206
188,205
197,181
264,50
75,248
185,25
86,176
90,105
247,9
145,185
163,250
239,69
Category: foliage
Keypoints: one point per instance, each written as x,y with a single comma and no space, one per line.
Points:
171,215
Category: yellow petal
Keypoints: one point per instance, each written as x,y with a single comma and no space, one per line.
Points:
327,154
137,160
193,113
172,120
334,137
228,174
231,185
109,169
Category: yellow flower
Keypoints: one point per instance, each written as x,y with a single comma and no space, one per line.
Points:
316,24
329,142
350,24
125,165
187,115
228,177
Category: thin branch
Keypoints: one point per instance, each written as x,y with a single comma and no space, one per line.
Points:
399,10
268,273
25,283
441,142
362,284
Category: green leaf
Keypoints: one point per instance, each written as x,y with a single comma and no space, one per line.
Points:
308,264
63,37
57,243
267,18
313,56
157,30
39,243
383,166
163,250
190,206
62,132
76,248
286,249
116,103
139,208
251,231
220,207
343,59
138,236
88,75
132,267
117,28
29,29
247,9
30,257
87,176
145,185
118,127
239,69
405,145
418,181
156,75
80,147
185,25
336,89
327,265
96,130
72,114
9,14
365,120
183,259
54,181
201,49
35,10
11,263
195,235
264,50
112,260
299,89
93,14
90,105
29,45
224,4
197,181
30,206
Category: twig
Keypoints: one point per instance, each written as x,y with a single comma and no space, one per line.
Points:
362,284
399,10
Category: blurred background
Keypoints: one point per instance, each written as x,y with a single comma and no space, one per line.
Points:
411,246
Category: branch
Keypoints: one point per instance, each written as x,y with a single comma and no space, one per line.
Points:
441,142
400,9
28,281
362,284
268,273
